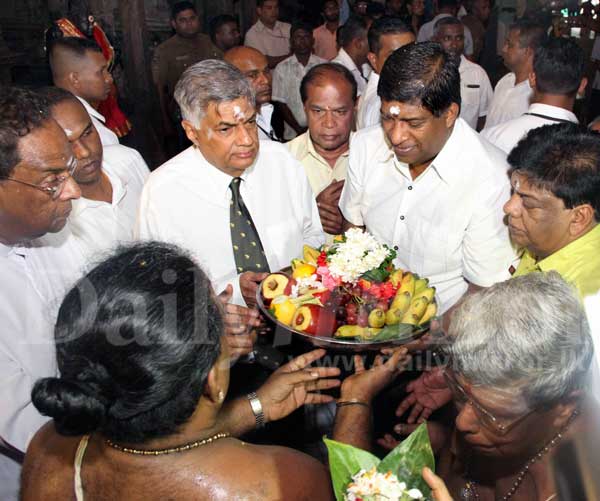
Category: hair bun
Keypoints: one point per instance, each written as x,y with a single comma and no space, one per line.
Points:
76,410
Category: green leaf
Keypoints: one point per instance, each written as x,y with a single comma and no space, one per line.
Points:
395,332
407,460
345,461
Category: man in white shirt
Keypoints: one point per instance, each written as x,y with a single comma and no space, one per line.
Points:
287,77
36,191
255,68
329,95
425,182
78,66
268,35
557,78
385,36
354,47
513,92
197,198
445,8
475,87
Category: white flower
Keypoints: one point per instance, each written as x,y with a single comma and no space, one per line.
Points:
360,253
378,486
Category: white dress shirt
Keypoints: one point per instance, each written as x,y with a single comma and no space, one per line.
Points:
287,76
475,92
506,135
369,104
263,122
592,309
509,101
26,354
345,60
271,42
101,226
448,223
186,202
427,31
107,136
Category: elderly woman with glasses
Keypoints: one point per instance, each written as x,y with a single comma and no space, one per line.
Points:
518,367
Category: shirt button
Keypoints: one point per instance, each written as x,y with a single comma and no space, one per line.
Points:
401,218
410,187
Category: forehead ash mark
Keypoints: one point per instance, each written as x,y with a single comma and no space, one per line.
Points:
394,110
238,114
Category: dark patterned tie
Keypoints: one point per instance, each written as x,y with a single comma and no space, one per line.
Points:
247,247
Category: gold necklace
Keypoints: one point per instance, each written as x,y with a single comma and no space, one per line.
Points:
470,493
170,450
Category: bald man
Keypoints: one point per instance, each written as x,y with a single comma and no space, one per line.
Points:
254,65
79,67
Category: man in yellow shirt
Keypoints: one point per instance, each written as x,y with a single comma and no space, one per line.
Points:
554,209
328,94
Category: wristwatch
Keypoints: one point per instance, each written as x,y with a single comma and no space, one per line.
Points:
257,409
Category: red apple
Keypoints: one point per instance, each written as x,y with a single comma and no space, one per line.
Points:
315,320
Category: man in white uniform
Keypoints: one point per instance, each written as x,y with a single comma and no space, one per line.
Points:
354,47
513,92
475,88
557,78
445,8
36,191
426,183
78,66
240,210
385,36
269,35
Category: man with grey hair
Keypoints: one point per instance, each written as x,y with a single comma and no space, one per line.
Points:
241,206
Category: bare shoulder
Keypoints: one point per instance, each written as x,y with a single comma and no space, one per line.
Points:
47,466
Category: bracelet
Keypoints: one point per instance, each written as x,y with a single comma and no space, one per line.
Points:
352,402
257,409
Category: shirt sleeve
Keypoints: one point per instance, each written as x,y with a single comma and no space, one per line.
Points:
352,193
279,88
487,93
312,229
253,40
468,42
487,251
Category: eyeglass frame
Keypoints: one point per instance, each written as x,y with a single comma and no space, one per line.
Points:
55,191
487,419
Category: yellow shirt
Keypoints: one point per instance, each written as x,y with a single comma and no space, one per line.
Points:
578,263
319,172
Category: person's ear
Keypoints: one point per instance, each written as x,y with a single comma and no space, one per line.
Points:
565,410
372,58
532,79
582,87
451,114
172,23
212,390
582,217
190,131
73,79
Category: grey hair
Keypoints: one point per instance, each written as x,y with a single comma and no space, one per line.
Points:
210,81
529,333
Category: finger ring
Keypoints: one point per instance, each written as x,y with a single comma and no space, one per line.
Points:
399,429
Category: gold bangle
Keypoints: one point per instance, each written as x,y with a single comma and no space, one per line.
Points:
352,402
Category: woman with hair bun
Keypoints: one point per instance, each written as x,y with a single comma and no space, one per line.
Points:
138,411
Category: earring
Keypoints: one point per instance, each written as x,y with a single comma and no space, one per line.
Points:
221,396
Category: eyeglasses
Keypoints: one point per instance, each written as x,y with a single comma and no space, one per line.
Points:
499,426
53,188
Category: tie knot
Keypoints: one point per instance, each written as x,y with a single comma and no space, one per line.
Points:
235,184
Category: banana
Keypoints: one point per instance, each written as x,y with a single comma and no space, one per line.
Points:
398,307
415,311
427,293
396,277
349,331
376,318
421,285
429,313
407,284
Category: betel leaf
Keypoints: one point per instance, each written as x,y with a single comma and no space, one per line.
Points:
345,461
407,460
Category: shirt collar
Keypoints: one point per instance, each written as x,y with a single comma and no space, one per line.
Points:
91,110
552,111
566,258
309,149
260,26
344,57
6,250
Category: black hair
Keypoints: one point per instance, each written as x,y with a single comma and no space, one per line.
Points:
375,10
421,73
559,65
21,112
385,26
300,25
563,159
325,2
446,21
260,3
320,70
355,27
180,7
56,95
442,4
531,33
74,45
218,22
135,341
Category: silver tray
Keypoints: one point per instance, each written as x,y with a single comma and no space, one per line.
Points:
284,332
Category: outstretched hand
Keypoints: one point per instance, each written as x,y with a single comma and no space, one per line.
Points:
295,384
426,394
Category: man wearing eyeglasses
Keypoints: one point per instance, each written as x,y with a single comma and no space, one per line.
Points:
36,194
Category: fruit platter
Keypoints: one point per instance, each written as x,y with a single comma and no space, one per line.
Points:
349,296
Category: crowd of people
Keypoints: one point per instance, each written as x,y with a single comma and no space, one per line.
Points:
128,299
